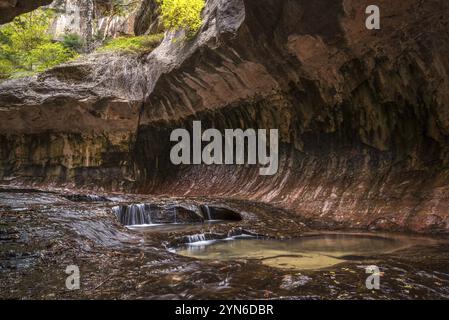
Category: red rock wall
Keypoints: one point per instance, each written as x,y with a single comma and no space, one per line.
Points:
363,115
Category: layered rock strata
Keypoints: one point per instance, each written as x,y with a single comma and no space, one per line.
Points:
363,114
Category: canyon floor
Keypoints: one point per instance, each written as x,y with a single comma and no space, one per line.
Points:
42,232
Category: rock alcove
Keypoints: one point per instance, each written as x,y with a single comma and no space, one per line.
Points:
153,214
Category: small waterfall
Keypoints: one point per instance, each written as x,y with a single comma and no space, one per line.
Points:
174,212
219,213
152,214
196,238
135,214
207,209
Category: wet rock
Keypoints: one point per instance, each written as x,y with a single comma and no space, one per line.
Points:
141,214
385,224
60,234
290,282
236,232
86,198
218,213
177,214
12,234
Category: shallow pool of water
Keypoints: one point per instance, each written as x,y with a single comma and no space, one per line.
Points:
306,253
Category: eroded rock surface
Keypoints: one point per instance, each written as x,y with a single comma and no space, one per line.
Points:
362,114
74,124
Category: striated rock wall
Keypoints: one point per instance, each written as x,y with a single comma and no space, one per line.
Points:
86,18
147,18
363,115
74,124
92,20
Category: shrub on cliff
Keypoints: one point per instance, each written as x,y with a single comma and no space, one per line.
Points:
132,44
182,14
73,42
27,48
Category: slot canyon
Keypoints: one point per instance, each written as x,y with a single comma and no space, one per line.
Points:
363,119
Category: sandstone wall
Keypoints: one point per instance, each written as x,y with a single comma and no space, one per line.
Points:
363,115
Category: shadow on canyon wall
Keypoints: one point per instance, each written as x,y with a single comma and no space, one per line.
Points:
363,115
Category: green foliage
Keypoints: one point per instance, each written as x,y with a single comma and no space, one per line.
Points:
73,42
6,68
47,55
182,14
132,44
26,47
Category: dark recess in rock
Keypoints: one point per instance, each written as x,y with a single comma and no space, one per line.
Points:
362,115
9,9
218,213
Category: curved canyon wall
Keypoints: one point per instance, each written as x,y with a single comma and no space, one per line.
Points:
363,115
74,124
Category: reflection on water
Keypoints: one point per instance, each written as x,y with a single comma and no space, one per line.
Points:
311,252
41,233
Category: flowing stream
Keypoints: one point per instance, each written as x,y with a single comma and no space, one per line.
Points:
165,248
